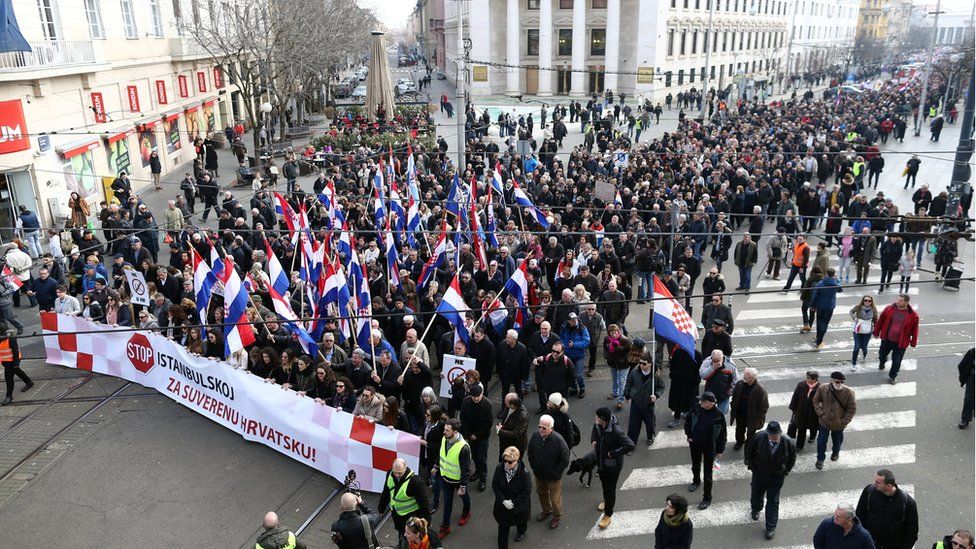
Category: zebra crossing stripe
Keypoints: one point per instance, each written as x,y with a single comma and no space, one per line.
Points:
862,422
792,308
872,279
847,294
674,475
643,521
798,373
872,392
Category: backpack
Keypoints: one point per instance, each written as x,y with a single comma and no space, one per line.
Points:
574,434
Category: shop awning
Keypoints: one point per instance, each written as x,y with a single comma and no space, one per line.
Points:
172,117
192,107
11,39
74,148
148,125
117,135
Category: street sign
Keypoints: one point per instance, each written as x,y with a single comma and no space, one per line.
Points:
453,368
137,287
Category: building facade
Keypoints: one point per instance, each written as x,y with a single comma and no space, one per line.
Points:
105,85
427,24
881,27
644,48
822,34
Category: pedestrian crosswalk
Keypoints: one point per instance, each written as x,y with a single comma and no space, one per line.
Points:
880,435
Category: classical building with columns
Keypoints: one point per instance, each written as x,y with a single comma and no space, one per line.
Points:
645,48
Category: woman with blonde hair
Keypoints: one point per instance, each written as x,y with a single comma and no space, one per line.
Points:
513,496
417,534
864,315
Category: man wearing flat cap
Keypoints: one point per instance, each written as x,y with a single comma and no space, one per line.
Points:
770,456
835,405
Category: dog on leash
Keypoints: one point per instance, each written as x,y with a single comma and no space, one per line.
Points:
584,466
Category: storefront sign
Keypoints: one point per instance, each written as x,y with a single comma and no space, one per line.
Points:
201,82
480,73
133,93
118,152
161,92
184,86
218,78
13,128
645,75
98,106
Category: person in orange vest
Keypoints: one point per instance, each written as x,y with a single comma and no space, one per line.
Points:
798,266
10,358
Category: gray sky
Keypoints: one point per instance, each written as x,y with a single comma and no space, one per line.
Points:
395,14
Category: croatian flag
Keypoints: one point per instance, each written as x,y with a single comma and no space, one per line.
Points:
284,209
452,307
379,214
498,316
436,259
496,182
617,201
518,288
392,261
598,231
490,220
413,202
360,299
279,280
671,321
291,323
203,283
237,332
396,208
522,200
345,244
455,197
477,235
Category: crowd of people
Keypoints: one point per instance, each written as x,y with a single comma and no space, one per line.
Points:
785,173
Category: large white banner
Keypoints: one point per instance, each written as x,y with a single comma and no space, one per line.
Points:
322,437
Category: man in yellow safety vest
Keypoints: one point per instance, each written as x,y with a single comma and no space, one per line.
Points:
275,536
454,469
405,494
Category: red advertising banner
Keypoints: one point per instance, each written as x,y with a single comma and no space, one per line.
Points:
133,93
98,106
13,127
201,81
218,78
184,86
161,92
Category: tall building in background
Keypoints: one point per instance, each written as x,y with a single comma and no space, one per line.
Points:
643,48
881,28
427,24
822,34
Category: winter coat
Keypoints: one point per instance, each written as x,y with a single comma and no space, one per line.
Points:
715,444
712,312
892,520
713,285
548,457
595,325
835,408
806,292
515,425
824,294
890,253
683,374
276,538
555,374
618,358
756,408
639,391
511,363
611,445
801,404
831,536
667,537
822,260
759,458
519,491
576,340
746,255
909,330
720,382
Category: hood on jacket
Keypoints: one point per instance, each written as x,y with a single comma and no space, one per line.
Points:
274,538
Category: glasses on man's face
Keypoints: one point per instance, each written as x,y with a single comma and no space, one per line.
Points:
959,545
510,461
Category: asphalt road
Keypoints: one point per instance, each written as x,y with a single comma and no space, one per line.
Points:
139,470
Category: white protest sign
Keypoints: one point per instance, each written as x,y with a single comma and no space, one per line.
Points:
452,368
137,287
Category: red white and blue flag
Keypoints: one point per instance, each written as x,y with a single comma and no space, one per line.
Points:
237,330
518,288
203,282
279,280
436,259
671,321
452,307
522,200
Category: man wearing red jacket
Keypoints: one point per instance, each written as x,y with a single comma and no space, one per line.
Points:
897,327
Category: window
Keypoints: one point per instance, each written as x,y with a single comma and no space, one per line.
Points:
681,77
670,41
565,4
565,41
157,18
532,42
532,4
711,74
599,4
598,41
129,19
742,36
674,4
684,40
725,40
94,15
694,43
49,19
691,76
667,79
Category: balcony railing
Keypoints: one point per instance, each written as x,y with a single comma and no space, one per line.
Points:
49,54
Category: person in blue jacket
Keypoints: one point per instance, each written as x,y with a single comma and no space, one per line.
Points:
842,531
824,300
576,340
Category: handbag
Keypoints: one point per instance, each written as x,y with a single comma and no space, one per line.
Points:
791,429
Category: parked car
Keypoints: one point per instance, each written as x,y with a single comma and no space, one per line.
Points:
359,94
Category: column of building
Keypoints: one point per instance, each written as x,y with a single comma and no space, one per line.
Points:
578,81
545,48
513,75
612,58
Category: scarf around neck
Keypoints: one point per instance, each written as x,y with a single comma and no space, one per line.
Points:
676,520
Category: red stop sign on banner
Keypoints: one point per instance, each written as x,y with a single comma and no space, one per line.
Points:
140,353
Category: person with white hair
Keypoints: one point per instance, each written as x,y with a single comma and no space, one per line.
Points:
750,402
548,454
511,363
843,529
276,536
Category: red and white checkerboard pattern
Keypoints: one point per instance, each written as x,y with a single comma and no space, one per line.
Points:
681,319
87,352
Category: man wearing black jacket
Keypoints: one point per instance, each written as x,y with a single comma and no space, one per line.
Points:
511,363
888,513
770,456
610,444
554,373
476,423
705,429
967,382
349,532
644,386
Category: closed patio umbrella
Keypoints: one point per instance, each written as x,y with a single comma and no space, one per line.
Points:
379,90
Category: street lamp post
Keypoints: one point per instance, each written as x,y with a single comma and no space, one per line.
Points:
954,60
928,70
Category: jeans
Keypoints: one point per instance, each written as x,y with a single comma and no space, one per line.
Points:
644,284
641,415
723,405
479,455
886,274
920,248
860,344
844,269
448,489
809,313
897,353
618,380
836,438
608,480
794,270
768,486
33,239
702,462
504,531
579,364
823,321
745,277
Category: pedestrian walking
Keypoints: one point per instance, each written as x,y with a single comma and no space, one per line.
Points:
906,267
888,513
616,347
405,494
889,254
897,327
674,528
968,384
842,530
644,387
453,468
835,404
745,256
864,248
10,357
910,172
804,422
799,263
776,249
750,402
706,432
770,456
823,301
610,444
476,423
808,312
548,455
864,315
513,496
720,376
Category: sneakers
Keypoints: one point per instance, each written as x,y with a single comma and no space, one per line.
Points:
464,519
582,393
892,380
444,531
853,367
805,329
821,346
672,424
604,522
